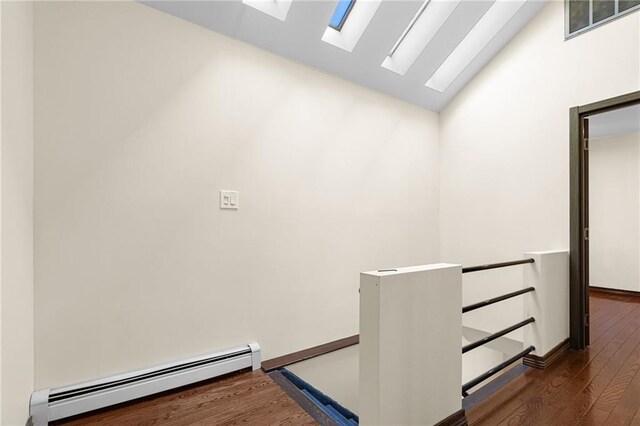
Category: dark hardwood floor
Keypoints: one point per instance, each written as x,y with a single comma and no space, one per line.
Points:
599,386
250,398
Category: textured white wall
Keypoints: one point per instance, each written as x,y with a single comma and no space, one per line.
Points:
505,148
17,211
614,211
140,119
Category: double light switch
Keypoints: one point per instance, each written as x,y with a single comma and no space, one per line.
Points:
229,199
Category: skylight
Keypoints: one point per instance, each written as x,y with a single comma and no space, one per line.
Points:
422,28
353,18
343,8
276,8
477,39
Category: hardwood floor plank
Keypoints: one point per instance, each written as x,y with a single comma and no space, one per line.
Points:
550,382
627,405
619,385
570,391
556,399
580,405
249,397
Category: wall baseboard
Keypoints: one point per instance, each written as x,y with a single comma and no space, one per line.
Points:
284,360
614,291
542,362
458,418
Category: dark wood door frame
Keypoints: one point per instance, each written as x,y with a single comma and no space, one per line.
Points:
579,213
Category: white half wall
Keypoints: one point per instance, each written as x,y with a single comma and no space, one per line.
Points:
614,212
505,149
16,224
141,118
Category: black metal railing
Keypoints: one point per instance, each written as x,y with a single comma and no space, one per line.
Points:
481,378
484,376
488,302
496,335
496,265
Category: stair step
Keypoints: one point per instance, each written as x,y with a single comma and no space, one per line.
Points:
337,412
332,412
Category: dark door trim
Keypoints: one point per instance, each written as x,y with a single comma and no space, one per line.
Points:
579,213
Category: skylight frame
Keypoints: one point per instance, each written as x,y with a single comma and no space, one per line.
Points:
477,39
359,19
278,9
345,15
425,25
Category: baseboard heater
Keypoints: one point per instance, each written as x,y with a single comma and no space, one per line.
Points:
54,404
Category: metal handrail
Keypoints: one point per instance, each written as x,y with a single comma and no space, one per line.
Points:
496,265
488,302
484,376
494,336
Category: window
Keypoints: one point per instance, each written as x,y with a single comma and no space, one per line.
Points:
583,15
341,13
348,22
423,27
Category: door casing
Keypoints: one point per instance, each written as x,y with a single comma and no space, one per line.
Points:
579,213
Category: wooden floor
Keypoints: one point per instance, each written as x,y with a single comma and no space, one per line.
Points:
249,398
599,386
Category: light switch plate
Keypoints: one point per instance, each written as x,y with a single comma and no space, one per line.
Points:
229,199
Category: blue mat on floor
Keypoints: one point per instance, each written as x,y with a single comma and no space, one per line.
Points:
337,412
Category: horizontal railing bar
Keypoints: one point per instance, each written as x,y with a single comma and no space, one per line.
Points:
481,378
496,265
488,302
494,336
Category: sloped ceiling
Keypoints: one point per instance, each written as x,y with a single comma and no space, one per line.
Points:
299,38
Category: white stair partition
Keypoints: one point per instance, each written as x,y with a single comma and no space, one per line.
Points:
410,357
549,304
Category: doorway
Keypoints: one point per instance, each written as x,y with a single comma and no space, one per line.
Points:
579,267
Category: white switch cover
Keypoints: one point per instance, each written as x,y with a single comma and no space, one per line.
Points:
229,199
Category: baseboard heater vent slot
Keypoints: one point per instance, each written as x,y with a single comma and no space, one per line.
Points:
54,404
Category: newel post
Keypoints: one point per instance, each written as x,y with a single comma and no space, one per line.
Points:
410,340
549,305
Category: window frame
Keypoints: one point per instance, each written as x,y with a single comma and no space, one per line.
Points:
616,14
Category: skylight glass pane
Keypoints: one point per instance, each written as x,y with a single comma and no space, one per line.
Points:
356,20
340,14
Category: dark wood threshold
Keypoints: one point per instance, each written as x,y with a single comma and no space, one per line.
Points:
307,405
542,362
456,419
283,361
614,291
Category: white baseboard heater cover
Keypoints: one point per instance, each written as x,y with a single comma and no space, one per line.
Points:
54,404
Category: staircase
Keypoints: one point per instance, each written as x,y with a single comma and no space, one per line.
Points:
337,412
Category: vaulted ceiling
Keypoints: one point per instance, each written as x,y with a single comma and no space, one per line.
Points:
465,36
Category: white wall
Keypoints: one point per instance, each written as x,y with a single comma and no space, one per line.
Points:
505,147
16,177
614,211
140,119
